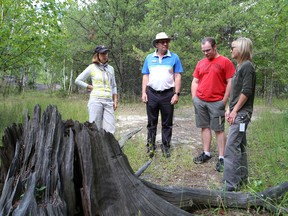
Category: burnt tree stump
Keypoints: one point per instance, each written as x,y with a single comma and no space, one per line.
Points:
68,168
55,167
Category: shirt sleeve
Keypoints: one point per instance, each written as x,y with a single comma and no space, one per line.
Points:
178,65
230,69
145,69
196,71
248,80
80,80
113,82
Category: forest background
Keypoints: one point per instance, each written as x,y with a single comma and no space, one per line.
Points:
50,42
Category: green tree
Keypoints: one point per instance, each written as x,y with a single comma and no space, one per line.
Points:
189,22
269,34
54,40
112,23
28,29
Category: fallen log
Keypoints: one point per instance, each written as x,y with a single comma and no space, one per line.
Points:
195,198
68,168
143,168
128,136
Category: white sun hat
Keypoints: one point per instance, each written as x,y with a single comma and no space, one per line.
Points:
160,36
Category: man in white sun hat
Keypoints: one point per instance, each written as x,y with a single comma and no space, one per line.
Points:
161,85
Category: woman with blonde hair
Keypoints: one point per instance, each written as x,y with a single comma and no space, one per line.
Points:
103,97
239,115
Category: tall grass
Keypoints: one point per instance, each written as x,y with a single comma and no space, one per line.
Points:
13,108
268,148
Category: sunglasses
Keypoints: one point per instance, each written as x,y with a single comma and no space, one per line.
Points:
163,41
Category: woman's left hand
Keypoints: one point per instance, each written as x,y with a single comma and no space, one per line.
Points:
115,105
232,117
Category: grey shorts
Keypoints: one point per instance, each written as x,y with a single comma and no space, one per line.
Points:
209,114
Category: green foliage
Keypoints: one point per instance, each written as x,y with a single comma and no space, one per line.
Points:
26,31
52,41
270,42
31,38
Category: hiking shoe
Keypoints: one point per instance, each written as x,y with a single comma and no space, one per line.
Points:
244,181
201,158
220,165
166,151
151,151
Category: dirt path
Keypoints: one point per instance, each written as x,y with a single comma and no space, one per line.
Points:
185,134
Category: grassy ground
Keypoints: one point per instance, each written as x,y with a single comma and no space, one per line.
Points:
267,154
268,137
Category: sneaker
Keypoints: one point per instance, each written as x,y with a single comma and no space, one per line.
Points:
201,158
220,165
227,189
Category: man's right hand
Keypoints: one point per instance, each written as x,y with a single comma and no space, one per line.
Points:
144,98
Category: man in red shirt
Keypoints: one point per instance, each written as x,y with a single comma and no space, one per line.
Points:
210,90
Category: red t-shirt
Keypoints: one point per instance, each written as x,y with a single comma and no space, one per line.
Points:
212,75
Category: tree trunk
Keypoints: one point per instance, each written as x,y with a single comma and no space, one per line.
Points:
64,74
67,168
70,82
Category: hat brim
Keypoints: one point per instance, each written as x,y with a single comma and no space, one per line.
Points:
103,51
155,41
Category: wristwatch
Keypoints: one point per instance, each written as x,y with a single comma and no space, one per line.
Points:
177,93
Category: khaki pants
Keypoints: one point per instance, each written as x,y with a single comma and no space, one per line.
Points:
101,112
